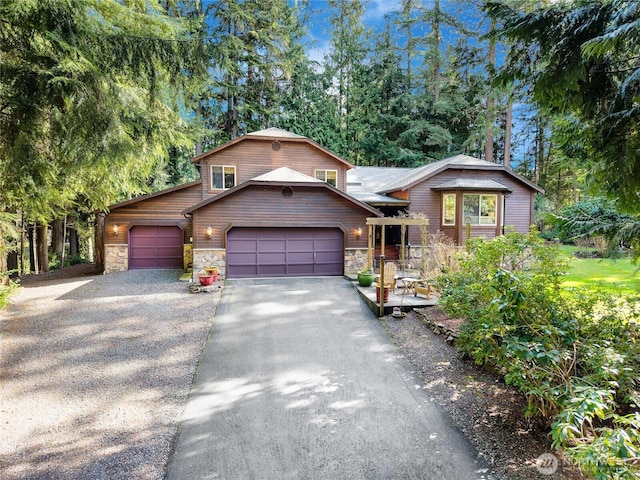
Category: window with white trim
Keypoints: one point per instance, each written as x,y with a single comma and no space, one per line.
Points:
480,209
449,209
223,177
329,176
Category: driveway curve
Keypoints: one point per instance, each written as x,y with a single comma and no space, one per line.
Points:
298,381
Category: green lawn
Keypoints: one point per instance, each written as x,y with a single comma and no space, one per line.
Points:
616,276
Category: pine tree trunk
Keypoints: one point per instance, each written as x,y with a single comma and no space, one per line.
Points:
507,135
488,135
99,241
21,270
33,267
57,238
74,246
436,52
42,250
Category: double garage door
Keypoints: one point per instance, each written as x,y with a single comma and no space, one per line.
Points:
155,247
275,252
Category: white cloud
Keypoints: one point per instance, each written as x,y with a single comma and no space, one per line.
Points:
377,9
319,50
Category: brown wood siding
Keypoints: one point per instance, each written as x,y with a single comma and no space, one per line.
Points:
161,210
259,206
400,195
424,199
256,157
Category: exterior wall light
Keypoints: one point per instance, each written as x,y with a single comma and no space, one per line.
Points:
209,232
359,232
115,229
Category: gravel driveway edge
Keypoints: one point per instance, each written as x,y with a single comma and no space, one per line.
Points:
96,372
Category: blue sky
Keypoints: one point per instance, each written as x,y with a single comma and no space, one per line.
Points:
319,34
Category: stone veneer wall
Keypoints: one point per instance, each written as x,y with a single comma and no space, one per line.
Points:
355,259
215,257
116,258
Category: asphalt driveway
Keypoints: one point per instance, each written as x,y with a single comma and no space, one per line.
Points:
298,381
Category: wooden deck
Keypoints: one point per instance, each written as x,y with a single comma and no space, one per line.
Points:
406,302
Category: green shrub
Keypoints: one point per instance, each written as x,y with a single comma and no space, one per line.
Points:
5,293
575,357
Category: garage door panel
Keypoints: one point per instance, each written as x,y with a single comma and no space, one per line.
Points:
331,257
271,258
243,245
285,251
300,257
169,242
145,263
246,270
269,234
243,258
169,252
298,245
152,246
302,269
272,245
272,270
326,244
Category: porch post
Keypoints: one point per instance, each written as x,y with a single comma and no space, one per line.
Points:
403,231
381,286
370,247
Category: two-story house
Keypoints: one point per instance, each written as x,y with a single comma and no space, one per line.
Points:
272,203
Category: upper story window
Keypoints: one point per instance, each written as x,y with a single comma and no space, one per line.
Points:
329,176
223,177
480,209
449,209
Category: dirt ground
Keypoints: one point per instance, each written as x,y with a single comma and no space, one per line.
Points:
489,412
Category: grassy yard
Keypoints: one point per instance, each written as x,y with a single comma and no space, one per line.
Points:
616,276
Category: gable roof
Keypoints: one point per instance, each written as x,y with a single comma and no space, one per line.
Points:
153,195
458,162
372,179
362,182
275,134
285,174
471,184
284,177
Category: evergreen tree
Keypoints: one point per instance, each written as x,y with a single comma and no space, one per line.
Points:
87,104
580,59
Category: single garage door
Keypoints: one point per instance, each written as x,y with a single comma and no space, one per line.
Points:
276,252
155,247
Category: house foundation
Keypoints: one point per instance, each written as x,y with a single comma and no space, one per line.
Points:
355,260
116,258
210,257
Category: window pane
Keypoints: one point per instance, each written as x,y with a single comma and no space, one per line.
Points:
229,177
471,206
487,209
332,177
320,175
449,209
216,177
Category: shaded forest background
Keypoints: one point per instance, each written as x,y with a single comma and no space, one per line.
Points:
104,100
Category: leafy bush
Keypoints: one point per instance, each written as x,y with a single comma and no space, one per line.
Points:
5,293
575,356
